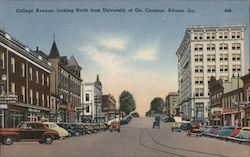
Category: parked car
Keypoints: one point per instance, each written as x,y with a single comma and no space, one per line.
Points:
176,127
225,132
89,128
184,125
103,126
205,130
213,131
115,126
235,132
28,131
69,128
61,131
96,127
193,129
78,128
244,135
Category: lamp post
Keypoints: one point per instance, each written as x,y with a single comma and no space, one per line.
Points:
238,106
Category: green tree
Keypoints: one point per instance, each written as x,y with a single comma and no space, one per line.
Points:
127,102
157,105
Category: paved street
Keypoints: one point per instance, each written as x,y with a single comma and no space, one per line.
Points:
136,139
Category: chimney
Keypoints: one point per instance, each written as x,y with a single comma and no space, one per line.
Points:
37,48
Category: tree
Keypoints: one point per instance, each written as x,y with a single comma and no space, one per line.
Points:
127,102
157,105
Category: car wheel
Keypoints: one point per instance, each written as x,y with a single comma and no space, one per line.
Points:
8,140
48,140
110,130
119,130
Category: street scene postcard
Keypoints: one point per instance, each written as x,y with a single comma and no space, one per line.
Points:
124,78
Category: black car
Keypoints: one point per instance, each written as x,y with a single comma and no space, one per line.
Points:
78,128
71,130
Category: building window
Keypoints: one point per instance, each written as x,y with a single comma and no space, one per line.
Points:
211,68
87,109
199,80
47,81
225,35
43,81
198,69
13,65
210,47
236,57
200,35
2,60
199,92
37,77
223,46
23,94
47,105
37,98
238,35
236,68
199,110
236,46
223,57
198,58
31,96
31,71
198,47
23,69
223,68
211,58
13,88
43,101
224,78
87,97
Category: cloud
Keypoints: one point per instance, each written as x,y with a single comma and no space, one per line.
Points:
107,60
113,43
146,54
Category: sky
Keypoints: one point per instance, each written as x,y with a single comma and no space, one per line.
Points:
133,51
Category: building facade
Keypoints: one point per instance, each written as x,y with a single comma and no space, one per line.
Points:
92,101
246,98
65,86
25,78
108,103
171,102
207,51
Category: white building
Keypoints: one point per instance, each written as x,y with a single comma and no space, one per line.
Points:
91,100
207,51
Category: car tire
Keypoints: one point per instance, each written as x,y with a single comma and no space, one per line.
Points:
119,130
48,139
8,140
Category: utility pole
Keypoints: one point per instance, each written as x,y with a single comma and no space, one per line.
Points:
238,105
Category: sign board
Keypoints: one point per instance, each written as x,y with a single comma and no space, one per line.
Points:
3,106
8,99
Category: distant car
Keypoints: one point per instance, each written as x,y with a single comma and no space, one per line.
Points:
103,126
89,128
61,131
205,129
115,126
79,129
96,127
176,127
193,129
184,125
28,131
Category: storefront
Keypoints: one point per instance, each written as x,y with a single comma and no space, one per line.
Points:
230,117
247,116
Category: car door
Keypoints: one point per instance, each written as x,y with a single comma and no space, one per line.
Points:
37,131
25,131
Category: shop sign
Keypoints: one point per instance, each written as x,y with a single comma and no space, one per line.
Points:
3,106
8,99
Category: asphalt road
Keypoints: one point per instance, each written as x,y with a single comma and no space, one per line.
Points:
137,139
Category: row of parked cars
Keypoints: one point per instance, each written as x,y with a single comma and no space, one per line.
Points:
46,132
229,133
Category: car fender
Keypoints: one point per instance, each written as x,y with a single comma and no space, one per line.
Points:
52,134
13,134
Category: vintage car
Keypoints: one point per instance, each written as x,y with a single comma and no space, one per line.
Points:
176,126
61,131
28,131
115,126
193,129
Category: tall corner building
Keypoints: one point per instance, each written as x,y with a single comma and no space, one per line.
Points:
206,51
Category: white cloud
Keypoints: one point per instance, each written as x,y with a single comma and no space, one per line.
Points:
117,43
108,61
146,54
